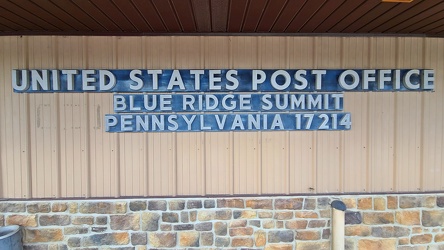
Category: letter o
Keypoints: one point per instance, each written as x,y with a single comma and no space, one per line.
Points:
283,73
355,79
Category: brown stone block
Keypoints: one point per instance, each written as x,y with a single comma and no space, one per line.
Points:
22,220
150,221
75,230
287,215
280,236
376,244
139,238
390,231
403,241
375,218
242,242
279,247
39,208
292,204
59,207
125,222
224,214
434,218
421,239
268,224
162,239
260,238
102,208
244,214
43,235
54,220
439,238
306,214
392,202
317,223
83,220
308,235
296,224
206,239
241,231
260,204
231,203
170,217
189,239
408,217
220,228
137,205
107,239
238,223
308,245
12,207
2,220
365,203
357,230
176,205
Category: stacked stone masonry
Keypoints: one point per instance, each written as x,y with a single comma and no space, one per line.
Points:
372,222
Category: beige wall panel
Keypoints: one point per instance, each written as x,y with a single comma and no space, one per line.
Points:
43,124
15,174
355,55
302,154
103,159
190,162
218,159
132,145
246,146
275,145
381,126
71,110
408,126
433,115
329,151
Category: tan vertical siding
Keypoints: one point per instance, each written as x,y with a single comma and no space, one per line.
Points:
54,145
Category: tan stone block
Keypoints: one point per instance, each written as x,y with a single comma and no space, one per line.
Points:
189,239
308,235
308,245
22,220
410,218
283,215
375,218
206,215
325,213
263,215
292,204
83,220
403,241
2,220
279,247
439,238
120,238
125,222
357,230
238,223
421,239
350,203
376,244
247,214
417,230
162,239
43,235
242,242
241,231
231,203
260,204
260,238
306,214
379,203
268,224
150,221
296,224
365,203
392,202
73,207
433,218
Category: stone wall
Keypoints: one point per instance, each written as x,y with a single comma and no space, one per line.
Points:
302,222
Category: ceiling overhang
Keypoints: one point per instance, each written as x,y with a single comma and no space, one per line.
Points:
221,17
